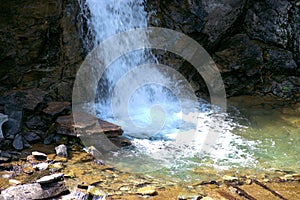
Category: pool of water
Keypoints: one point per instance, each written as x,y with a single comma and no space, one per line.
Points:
260,135
178,138
274,127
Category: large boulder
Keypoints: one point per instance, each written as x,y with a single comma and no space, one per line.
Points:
275,22
207,21
33,191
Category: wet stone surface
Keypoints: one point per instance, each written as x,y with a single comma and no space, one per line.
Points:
80,176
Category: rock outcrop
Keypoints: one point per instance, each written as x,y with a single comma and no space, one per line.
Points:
40,45
256,44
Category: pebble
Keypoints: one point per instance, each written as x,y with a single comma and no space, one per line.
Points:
248,181
83,185
146,191
232,189
75,194
207,198
28,169
124,188
266,180
184,196
50,178
290,177
94,152
61,150
70,174
4,159
14,182
229,178
57,166
39,155
7,176
95,191
41,166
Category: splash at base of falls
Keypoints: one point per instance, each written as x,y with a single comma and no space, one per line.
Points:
147,155
156,107
169,134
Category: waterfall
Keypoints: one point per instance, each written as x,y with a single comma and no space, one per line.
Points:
151,102
153,108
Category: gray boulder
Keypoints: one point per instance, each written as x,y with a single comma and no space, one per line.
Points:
3,119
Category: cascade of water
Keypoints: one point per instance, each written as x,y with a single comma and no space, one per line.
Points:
154,110
116,16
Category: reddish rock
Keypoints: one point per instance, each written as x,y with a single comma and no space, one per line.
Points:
55,108
90,126
65,125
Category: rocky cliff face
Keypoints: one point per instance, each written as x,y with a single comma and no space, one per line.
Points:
256,44
40,45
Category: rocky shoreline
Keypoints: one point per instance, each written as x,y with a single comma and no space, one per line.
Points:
41,157
43,173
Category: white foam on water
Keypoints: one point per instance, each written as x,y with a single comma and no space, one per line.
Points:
157,104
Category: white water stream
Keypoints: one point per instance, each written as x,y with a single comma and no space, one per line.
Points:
154,114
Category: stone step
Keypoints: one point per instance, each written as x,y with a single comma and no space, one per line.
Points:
90,126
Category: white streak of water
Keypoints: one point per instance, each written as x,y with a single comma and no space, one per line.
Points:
110,17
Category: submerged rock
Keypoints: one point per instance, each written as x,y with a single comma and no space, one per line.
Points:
185,196
207,198
94,152
56,166
28,169
229,178
76,194
146,191
95,191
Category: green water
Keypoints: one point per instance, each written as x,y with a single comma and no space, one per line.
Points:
275,129
267,142
264,138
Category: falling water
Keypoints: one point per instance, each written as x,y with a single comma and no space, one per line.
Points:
156,104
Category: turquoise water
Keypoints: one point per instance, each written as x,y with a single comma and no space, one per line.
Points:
261,136
275,129
257,134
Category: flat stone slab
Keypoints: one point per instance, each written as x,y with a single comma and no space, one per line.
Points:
87,125
38,154
33,191
50,179
55,108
